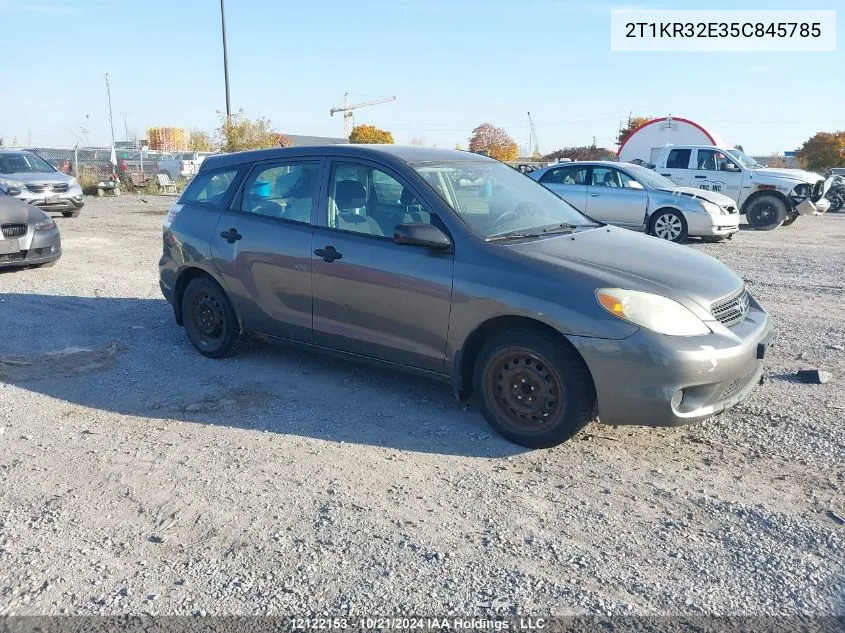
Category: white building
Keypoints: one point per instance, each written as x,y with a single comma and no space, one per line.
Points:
647,141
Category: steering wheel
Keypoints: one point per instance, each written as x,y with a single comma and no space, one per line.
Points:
523,209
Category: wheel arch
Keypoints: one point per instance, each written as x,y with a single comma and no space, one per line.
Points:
766,192
463,364
188,274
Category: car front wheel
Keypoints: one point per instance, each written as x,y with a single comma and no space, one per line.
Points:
532,389
669,225
209,319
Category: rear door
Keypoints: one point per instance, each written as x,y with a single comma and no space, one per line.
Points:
262,247
570,183
677,168
715,171
610,198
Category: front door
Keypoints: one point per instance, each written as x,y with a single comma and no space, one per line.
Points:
715,171
262,248
372,296
611,198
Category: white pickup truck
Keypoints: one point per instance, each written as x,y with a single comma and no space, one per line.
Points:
183,164
768,197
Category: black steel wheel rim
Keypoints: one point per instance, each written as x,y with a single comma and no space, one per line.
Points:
209,316
524,390
765,212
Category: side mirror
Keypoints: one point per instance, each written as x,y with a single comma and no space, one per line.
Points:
420,234
633,184
729,167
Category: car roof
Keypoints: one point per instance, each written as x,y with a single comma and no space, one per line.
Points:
386,153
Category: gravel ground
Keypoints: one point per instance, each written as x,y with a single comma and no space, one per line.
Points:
138,477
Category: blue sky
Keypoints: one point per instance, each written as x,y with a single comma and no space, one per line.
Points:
452,64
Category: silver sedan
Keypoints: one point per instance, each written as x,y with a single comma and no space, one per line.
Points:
637,198
28,236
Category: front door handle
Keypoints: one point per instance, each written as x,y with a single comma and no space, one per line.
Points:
666,175
701,177
329,254
231,235
595,195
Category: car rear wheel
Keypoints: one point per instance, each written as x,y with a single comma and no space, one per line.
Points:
532,389
209,319
669,225
766,213
713,239
790,219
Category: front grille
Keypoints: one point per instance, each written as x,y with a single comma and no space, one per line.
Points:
732,310
735,385
37,188
13,230
818,189
730,209
60,187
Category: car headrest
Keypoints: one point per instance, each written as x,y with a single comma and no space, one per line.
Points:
350,194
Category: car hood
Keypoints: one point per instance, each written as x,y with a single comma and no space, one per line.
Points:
793,174
36,178
13,211
619,258
711,196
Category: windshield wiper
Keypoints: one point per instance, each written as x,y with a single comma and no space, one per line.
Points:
511,235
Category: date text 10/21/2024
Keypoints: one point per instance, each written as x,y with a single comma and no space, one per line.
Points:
419,623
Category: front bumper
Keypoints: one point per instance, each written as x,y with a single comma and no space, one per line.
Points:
70,200
36,247
709,224
637,378
808,207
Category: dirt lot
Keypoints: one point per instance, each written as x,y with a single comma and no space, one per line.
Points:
137,476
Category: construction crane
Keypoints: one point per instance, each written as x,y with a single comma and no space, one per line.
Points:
533,136
347,110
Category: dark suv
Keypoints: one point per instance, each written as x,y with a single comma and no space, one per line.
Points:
456,266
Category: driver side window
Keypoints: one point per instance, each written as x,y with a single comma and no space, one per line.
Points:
282,190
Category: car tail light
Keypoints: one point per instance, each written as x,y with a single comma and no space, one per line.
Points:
172,212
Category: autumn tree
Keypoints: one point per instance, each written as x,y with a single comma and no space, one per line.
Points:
585,152
494,142
631,126
282,140
824,150
200,141
370,134
238,133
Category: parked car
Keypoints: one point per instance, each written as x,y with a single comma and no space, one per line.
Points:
28,236
458,267
32,180
767,197
634,197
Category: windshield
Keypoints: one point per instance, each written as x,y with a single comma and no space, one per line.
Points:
24,164
744,159
494,199
649,178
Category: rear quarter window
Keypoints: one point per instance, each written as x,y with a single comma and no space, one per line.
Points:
210,187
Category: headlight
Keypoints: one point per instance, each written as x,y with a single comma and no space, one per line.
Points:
45,225
710,207
12,183
654,312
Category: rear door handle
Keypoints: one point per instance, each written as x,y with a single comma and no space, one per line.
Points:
595,195
231,235
667,175
329,254
701,177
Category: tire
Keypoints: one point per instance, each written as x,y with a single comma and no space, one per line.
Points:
538,363
209,319
668,224
766,212
790,219
71,214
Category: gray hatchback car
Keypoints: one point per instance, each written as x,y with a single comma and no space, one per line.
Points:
456,266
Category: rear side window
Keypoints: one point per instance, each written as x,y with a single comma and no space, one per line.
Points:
678,159
566,176
210,187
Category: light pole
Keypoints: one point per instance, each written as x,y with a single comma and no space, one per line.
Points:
225,62
111,119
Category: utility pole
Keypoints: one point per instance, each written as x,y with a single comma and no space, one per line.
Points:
125,126
111,118
225,68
